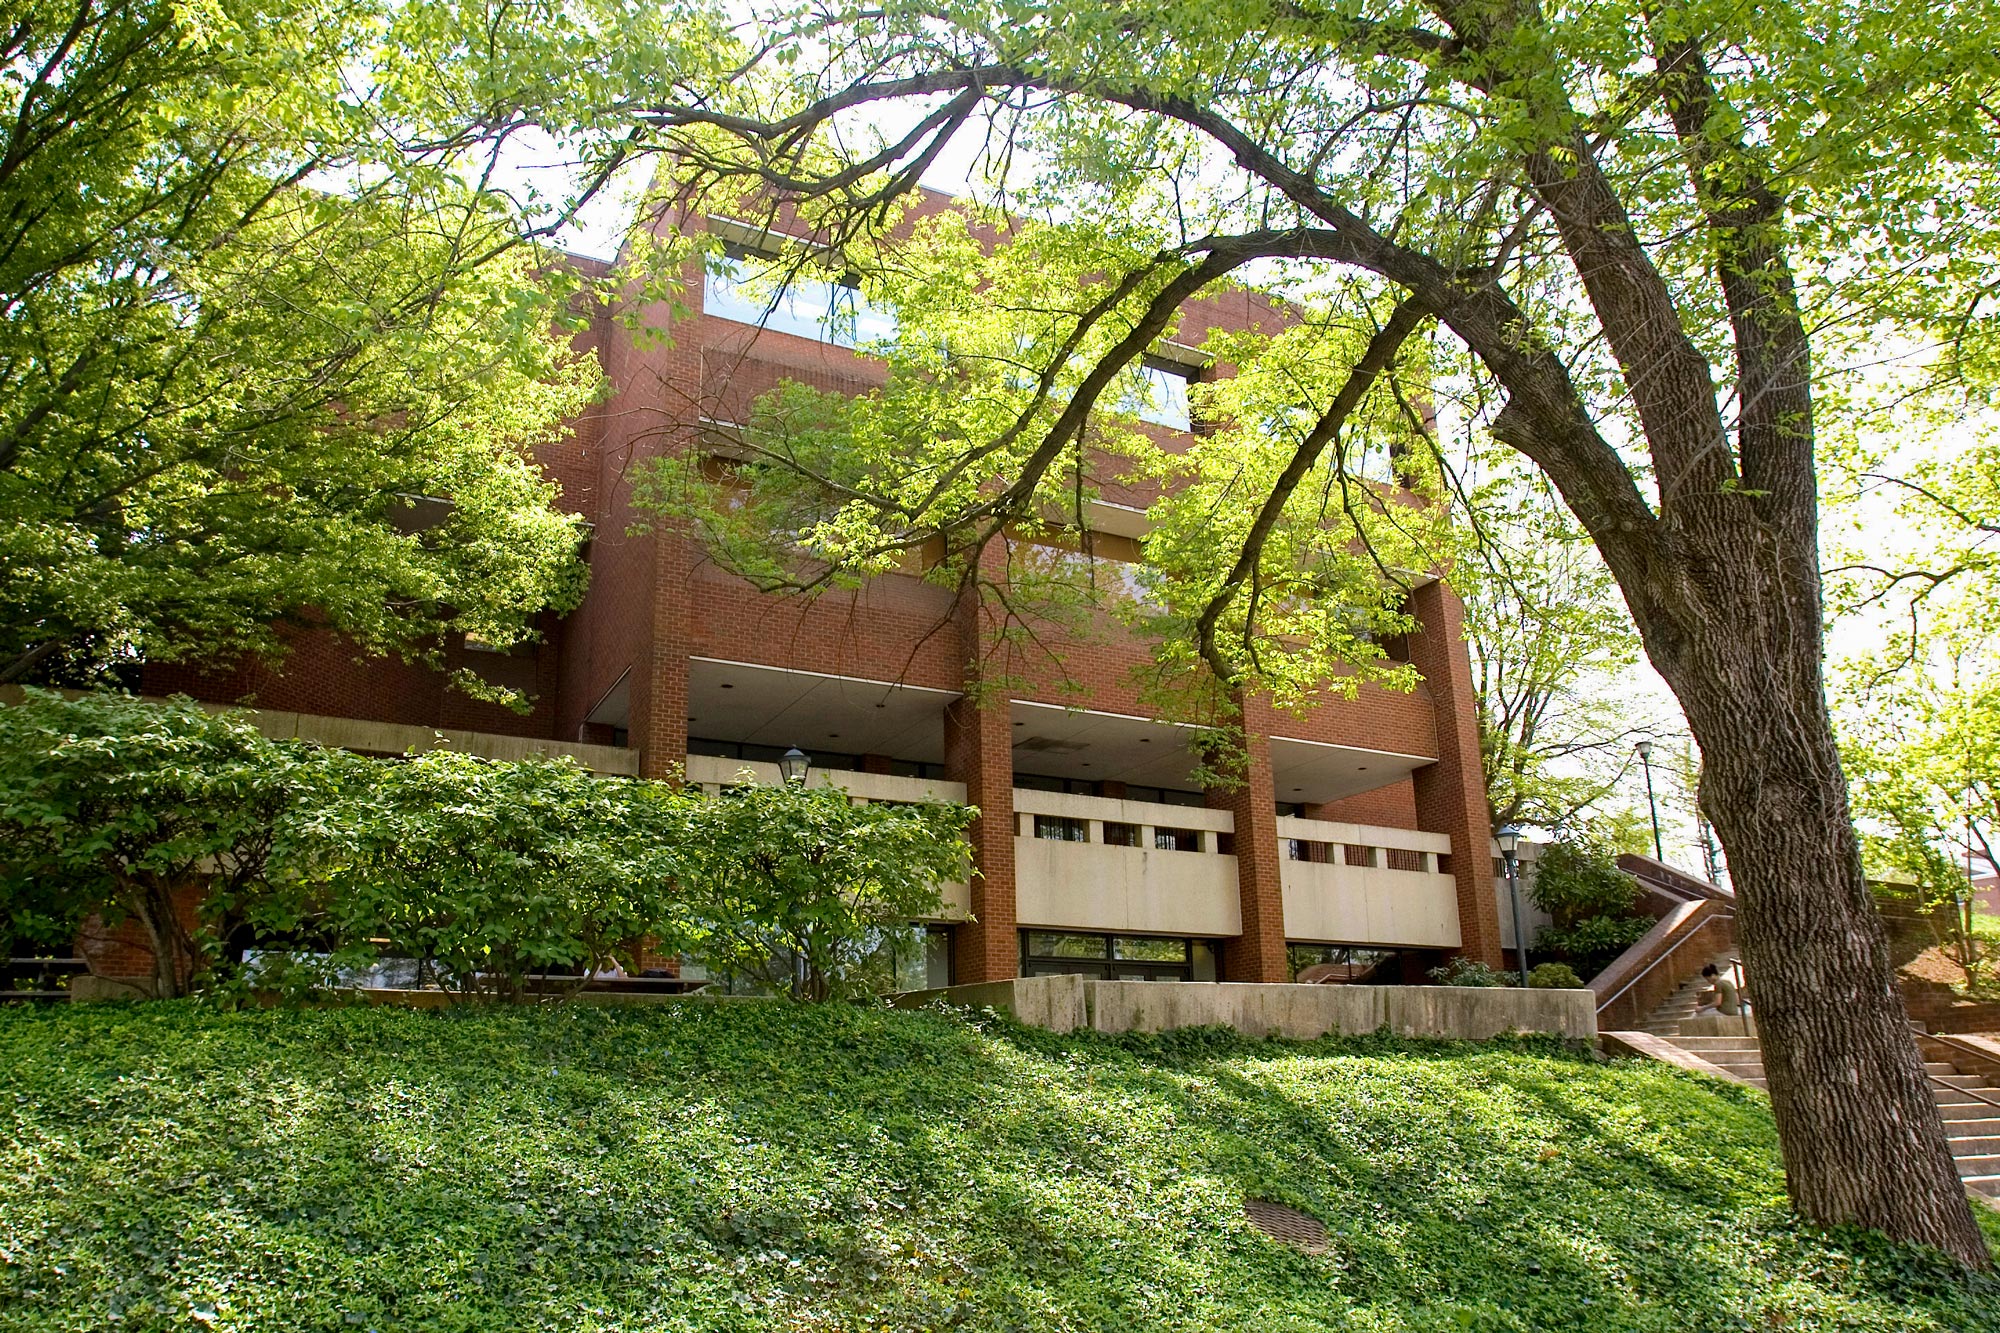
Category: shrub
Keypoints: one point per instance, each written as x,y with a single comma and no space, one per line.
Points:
1554,976
1590,945
490,873
1577,880
114,806
798,889
1468,972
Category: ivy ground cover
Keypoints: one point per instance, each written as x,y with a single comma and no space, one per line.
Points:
751,1165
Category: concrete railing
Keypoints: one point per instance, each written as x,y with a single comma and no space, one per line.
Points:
1475,1013
1355,904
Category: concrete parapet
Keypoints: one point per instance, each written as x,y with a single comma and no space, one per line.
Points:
89,987
1055,1003
1277,1010
1650,1047
1719,1025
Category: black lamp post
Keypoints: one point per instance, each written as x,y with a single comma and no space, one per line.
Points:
1645,749
1509,838
795,765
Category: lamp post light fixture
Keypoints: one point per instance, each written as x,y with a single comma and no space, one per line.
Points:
1509,838
795,765
1645,752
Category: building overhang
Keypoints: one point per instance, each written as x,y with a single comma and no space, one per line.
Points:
758,705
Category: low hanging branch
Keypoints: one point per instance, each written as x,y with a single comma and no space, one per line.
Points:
1379,355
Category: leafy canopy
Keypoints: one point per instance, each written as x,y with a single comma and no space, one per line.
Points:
260,297
113,806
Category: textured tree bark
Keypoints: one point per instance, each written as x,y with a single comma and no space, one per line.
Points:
1862,1138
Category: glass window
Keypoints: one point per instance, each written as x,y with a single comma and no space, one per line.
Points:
1120,835
741,287
1149,950
1060,828
1177,839
1337,963
1052,944
1162,396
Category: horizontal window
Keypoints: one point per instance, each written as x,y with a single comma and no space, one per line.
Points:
744,287
1162,395
1176,840
1059,828
1120,835
1052,944
1149,949
1354,854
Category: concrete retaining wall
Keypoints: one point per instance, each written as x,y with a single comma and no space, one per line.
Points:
1261,1010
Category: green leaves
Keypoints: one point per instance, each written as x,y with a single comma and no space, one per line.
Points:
117,807
727,1167
494,875
800,890
262,290
501,879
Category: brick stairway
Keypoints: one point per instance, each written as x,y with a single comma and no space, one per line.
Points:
1972,1125
1665,1020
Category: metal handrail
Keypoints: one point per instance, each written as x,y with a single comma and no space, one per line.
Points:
1950,1042
1678,945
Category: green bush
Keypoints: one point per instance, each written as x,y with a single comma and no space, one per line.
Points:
113,806
1469,972
1589,946
1554,976
1590,900
753,1166
798,890
489,874
1577,880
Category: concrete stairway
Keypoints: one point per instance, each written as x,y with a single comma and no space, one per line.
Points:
1972,1125
1665,1020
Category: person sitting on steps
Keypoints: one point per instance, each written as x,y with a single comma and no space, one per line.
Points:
1723,997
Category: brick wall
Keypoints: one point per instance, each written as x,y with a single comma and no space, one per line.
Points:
1450,795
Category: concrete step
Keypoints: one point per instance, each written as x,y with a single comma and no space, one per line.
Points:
1961,1108
1962,1081
1987,1149
1986,1127
1987,1185
1939,1067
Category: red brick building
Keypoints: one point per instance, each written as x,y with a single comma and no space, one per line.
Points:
1361,827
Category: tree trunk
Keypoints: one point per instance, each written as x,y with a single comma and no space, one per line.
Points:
154,906
1862,1137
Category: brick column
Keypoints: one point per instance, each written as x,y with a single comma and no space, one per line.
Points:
979,751
1451,793
1258,954
659,691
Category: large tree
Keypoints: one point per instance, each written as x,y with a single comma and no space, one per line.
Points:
1637,227
263,304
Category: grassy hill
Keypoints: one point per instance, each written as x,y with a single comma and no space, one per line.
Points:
759,1166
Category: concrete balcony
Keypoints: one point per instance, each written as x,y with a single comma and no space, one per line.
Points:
1377,886
1098,885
